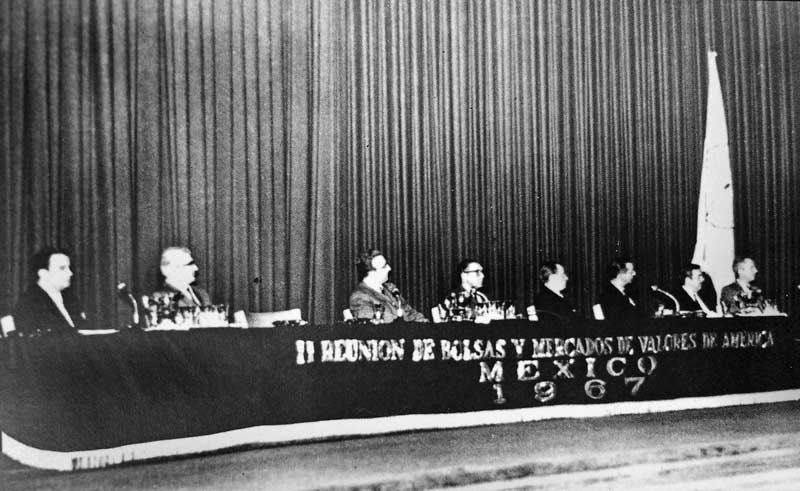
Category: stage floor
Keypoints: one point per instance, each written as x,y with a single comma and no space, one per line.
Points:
739,443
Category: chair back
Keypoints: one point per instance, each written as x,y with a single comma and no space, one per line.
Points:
7,325
436,315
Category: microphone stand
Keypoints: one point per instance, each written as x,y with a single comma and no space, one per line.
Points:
135,315
123,290
655,288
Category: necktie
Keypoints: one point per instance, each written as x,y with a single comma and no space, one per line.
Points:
702,304
192,295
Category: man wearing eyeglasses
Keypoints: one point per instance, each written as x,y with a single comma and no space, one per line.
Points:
180,273
466,295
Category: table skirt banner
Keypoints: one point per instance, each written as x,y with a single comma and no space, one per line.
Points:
68,394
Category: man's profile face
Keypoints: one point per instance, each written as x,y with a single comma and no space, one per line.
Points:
627,274
558,280
472,276
747,270
181,271
58,274
695,282
380,269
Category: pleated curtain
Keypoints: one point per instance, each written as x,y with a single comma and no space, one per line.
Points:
279,138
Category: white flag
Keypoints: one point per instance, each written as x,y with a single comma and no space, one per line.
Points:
714,250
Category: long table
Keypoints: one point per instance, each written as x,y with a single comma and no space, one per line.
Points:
90,401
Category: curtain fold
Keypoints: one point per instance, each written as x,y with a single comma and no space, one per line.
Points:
278,138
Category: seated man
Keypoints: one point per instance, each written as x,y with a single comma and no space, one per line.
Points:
708,292
466,295
741,296
688,296
550,299
50,305
180,272
374,293
617,305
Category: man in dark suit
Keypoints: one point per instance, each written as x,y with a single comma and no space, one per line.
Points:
615,302
50,306
550,299
688,296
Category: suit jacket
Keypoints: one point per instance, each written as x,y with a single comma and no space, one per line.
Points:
617,306
364,298
36,312
548,302
708,293
733,297
687,302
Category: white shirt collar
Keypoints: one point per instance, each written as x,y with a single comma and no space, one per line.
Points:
744,286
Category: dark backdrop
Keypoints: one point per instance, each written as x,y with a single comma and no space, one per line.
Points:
277,138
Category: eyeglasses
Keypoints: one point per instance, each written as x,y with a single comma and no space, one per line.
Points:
476,271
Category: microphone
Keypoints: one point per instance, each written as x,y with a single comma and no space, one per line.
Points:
393,289
396,294
124,292
655,288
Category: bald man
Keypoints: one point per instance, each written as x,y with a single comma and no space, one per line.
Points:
180,274
742,296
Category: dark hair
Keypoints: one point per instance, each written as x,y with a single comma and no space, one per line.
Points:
463,264
548,268
616,266
41,259
364,262
686,271
460,268
736,262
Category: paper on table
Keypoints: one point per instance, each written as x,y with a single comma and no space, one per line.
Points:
93,332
